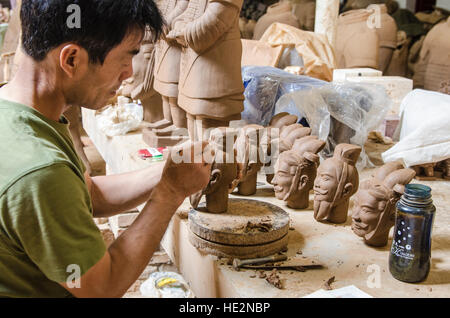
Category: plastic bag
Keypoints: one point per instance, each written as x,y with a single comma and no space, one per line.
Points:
165,285
264,85
424,129
118,120
339,113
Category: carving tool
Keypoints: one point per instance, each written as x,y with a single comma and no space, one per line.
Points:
237,263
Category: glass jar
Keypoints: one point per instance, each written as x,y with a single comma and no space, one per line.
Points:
409,259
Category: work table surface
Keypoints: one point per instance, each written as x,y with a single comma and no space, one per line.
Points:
344,255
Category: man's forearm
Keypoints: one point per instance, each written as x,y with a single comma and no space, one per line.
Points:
132,250
119,193
130,253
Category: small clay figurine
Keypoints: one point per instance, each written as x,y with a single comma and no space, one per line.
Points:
140,85
224,171
296,171
248,158
374,203
167,68
210,84
337,180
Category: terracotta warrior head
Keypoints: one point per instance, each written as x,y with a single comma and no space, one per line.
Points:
224,171
337,180
296,170
289,134
374,203
141,83
248,158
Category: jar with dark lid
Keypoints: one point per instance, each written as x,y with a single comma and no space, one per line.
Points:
409,259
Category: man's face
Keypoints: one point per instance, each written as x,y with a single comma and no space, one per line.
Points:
366,213
326,182
100,82
283,179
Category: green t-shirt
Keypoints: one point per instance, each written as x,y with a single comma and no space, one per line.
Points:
47,231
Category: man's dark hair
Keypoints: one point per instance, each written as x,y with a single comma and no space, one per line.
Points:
104,25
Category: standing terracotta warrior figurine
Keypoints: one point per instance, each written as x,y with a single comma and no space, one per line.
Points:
167,68
210,84
248,158
140,85
337,180
296,170
224,171
374,209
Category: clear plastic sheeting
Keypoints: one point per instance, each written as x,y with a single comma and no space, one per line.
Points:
264,85
339,113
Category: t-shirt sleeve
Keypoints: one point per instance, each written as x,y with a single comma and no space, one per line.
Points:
51,220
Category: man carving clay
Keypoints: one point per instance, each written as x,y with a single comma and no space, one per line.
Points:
47,202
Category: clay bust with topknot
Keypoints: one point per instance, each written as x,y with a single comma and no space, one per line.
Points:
374,203
224,171
337,180
296,170
248,153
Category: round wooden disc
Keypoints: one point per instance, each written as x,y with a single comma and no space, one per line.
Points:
245,223
242,252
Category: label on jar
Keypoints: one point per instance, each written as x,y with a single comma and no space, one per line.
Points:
402,246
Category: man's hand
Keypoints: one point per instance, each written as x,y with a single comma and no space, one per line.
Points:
187,170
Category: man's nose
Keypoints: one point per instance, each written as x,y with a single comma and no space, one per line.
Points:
127,73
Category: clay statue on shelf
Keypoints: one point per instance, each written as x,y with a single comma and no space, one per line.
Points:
278,12
296,170
167,69
248,158
210,84
224,171
337,180
374,203
140,85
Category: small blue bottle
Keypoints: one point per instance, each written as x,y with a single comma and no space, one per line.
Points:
409,259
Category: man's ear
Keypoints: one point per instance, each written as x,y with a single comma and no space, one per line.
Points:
346,192
70,58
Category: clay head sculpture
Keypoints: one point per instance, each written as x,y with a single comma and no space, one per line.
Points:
271,138
374,203
248,158
224,171
295,172
289,134
337,180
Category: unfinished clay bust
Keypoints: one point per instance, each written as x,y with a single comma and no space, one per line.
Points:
296,171
337,180
224,171
140,85
210,83
387,35
167,68
289,134
248,158
374,209
356,44
272,137
278,12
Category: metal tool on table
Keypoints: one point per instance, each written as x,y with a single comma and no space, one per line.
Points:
268,263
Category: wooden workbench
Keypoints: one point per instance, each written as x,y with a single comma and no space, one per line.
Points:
343,253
